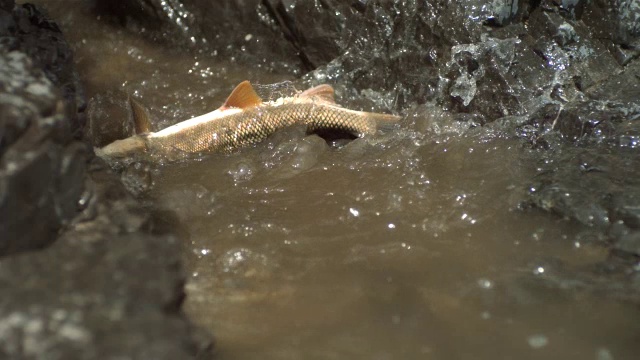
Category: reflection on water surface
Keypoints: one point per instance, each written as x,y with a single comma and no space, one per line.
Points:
409,245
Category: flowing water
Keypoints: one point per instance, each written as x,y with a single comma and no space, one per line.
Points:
410,245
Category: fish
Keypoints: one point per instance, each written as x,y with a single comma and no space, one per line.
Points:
245,119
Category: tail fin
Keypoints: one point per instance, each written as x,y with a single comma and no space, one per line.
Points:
122,148
384,122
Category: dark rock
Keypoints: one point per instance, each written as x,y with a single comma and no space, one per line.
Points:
145,15
428,51
41,165
34,34
585,116
105,289
7,5
613,23
491,60
630,243
110,119
622,88
592,181
104,286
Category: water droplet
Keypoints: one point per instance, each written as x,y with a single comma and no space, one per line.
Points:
603,354
485,283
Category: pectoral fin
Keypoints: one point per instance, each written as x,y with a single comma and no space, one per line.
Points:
140,117
243,96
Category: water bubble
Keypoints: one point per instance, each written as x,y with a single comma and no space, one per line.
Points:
603,354
189,202
354,212
538,341
538,271
241,172
485,283
242,261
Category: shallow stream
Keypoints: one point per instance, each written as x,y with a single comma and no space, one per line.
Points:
412,244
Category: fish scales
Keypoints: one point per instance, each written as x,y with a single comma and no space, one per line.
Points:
244,119
255,124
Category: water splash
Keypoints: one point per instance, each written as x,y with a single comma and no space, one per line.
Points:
182,18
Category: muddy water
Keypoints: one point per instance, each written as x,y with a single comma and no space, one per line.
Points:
409,245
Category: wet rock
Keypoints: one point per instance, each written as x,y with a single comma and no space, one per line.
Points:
105,289
630,243
622,88
593,180
109,119
490,60
7,5
614,23
108,281
471,58
235,30
42,166
569,67
30,31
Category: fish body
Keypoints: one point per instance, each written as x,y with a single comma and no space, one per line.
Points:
244,120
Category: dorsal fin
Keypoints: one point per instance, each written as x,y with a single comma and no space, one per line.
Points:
243,96
322,92
140,117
